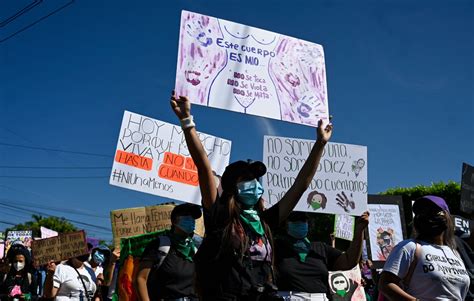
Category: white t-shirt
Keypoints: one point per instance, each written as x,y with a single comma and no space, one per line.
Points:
439,273
70,285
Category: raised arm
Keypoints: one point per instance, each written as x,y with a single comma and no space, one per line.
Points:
182,108
306,174
350,258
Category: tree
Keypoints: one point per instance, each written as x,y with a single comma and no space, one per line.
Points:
59,224
450,192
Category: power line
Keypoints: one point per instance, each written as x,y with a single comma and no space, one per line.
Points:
55,177
54,167
46,214
36,22
49,208
55,150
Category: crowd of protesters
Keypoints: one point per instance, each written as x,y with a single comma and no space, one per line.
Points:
240,256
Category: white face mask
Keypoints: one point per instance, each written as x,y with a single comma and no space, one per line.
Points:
18,266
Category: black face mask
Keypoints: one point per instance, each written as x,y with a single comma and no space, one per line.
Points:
430,225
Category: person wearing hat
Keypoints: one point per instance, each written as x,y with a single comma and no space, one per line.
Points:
427,267
235,260
302,265
166,269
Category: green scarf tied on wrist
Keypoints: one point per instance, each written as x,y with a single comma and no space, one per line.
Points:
184,245
302,247
250,218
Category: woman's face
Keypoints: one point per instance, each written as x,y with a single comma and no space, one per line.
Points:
19,259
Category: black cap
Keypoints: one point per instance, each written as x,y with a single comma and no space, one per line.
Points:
233,171
186,209
298,216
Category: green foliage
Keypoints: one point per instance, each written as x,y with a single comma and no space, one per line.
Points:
58,224
450,192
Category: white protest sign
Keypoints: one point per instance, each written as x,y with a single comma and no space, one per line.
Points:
47,233
231,66
344,226
385,230
346,285
340,183
152,157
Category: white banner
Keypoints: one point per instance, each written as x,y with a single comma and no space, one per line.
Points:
152,157
47,233
339,186
385,230
231,66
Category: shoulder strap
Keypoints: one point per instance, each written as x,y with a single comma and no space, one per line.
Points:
86,292
406,280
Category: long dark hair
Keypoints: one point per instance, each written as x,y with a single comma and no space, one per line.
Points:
235,237
448,234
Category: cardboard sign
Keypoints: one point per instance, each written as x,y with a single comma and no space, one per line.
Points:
140,220
23,237
47,233
462,226
344,226
340,183
61,247
152,157
386,227
231,66
346,285
467,188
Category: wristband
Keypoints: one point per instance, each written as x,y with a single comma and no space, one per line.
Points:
187,122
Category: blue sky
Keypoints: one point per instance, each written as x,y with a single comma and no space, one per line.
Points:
399,73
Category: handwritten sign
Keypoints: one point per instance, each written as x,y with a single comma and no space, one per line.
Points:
21,237
346,285
385,230
61,247
140,220
467,188
340,183
152,157
231,66
344,226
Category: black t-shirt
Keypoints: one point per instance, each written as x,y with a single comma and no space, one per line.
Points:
224,274
310,276
174,278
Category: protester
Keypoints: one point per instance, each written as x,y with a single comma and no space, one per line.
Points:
427,267
98,259
166,269
302,266
111,273
234,261
19,283
71,280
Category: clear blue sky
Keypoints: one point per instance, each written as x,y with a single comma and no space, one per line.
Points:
400,78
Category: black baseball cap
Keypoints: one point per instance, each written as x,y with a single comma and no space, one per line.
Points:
298,216
186,209
236,169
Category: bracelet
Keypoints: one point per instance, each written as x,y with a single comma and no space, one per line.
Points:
187,122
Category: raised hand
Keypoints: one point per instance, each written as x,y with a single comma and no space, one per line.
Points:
362,222
324,134
180,105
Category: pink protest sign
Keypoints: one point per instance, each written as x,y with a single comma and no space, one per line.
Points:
231,66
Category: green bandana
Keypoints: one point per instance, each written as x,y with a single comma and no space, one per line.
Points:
302,247
341,293
250,218
184,245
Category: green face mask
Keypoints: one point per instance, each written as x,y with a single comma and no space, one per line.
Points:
315,205
341,293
